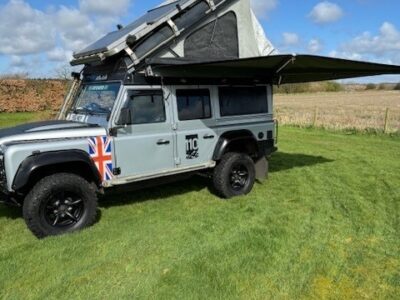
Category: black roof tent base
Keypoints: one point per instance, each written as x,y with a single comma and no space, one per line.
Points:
276,69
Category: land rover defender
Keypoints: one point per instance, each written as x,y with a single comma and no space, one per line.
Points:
185,89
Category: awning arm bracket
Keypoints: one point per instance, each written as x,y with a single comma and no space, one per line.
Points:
291,60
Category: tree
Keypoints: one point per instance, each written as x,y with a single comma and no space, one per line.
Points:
371,86
63,72
397,87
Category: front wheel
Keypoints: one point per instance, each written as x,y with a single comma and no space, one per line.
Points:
60,204
234,175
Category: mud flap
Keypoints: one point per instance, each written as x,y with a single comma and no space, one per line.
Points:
261,166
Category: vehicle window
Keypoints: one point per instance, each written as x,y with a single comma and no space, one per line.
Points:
193,104
146,107
96,98
243,101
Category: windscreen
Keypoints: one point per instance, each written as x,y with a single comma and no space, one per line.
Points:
96,99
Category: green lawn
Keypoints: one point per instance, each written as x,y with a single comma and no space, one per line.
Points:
12,119
324,226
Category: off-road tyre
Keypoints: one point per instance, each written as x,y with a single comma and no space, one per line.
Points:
40,201
223,175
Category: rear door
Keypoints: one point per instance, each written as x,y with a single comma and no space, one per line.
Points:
194,123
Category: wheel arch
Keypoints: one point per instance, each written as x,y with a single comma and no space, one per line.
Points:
242,141
37,166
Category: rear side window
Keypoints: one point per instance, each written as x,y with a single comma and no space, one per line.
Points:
193,104
236,101
146,108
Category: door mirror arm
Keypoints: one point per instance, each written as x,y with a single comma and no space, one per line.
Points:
124,120
114,130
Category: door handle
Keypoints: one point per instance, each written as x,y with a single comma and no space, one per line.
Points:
163,142
208,136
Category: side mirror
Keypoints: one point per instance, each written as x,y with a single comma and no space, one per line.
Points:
125,117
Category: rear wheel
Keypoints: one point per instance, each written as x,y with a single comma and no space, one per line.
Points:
234,175
59,204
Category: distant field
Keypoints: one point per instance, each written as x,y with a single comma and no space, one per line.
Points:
324,226
360,111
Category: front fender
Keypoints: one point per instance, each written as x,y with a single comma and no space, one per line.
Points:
46,159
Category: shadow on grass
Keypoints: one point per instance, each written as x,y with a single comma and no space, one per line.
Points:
9,212
126,196
136,194
285,161
279,162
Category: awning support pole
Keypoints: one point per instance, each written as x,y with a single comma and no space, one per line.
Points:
291,60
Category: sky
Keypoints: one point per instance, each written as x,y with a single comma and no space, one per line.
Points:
38,37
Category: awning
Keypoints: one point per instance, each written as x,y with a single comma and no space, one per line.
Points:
277,69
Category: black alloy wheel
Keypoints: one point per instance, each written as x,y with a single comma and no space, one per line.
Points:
63,210
59,204
239,176
234,175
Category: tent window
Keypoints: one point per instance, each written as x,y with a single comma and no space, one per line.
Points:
193,104
218,39
236,101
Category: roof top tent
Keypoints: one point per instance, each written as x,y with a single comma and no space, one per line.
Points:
206,41
194,29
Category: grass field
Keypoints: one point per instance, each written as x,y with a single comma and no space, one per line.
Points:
356,110
324,226
12,119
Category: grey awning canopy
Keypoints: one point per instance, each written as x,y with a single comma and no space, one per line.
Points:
277,69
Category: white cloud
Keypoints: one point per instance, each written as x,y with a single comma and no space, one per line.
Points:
59,54
27,64
17,61
104,7
383,47
385,43
76,29
326,12
315,46
24,30
263,7
28,34
290,39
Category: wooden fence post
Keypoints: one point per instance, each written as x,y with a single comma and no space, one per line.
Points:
315,120
386,128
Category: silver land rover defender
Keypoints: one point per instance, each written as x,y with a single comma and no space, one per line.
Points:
186,88
119,132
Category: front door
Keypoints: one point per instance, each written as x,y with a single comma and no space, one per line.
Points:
194,119
146,145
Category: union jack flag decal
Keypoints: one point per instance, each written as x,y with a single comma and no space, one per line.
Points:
100,150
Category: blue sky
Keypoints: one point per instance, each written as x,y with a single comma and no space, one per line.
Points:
38,36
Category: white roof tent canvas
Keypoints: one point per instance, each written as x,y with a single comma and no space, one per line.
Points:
210,41
167,31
